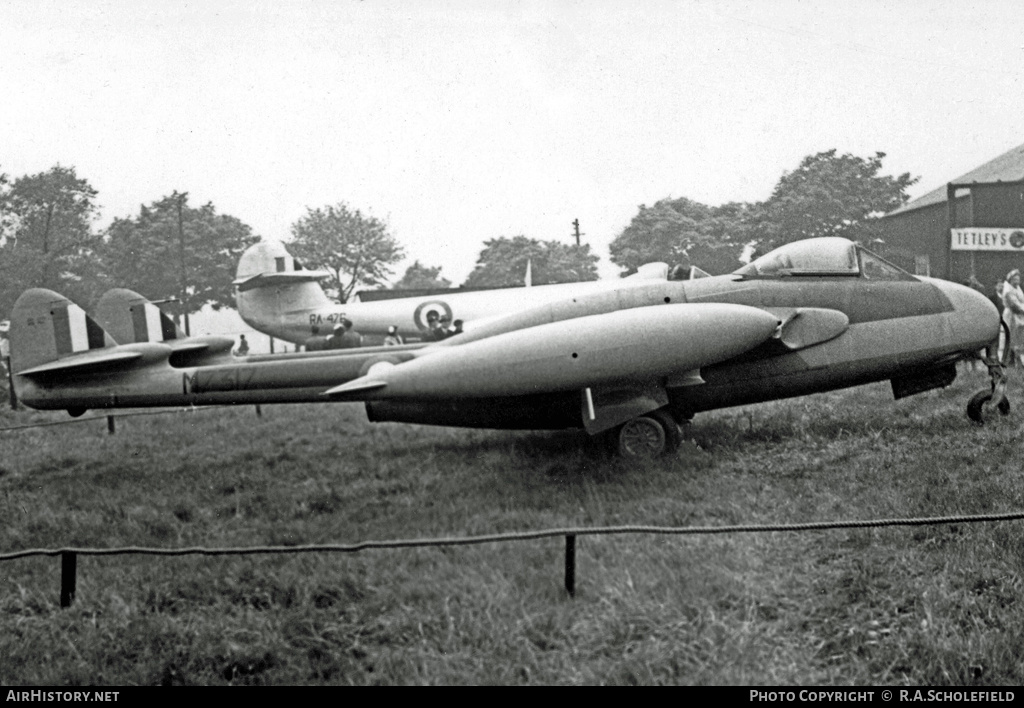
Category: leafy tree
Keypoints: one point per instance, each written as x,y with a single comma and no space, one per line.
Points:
828,195
47,237
681,232
421,277
503,262
173,250
353,248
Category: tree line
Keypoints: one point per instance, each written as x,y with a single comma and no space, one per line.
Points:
186,254
826,195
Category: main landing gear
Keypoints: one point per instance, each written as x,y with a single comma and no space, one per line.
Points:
647,436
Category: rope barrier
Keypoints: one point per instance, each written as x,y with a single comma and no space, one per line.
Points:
105,417
512,536
69,556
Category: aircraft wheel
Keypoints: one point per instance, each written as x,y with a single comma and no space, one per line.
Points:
673,433
642,438
980,407
76,412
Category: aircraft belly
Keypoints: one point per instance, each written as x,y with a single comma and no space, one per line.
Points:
533,412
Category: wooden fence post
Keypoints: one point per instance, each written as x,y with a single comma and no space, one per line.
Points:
570,564
68,579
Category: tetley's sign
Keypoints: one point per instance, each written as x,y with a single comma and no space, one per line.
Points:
985,239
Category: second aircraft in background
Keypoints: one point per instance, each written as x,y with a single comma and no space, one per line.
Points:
276,296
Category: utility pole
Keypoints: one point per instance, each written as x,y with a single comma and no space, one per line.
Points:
181,249
576,227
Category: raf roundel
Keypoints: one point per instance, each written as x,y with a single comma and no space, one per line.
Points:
424,309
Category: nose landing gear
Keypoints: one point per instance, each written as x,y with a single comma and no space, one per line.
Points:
984,404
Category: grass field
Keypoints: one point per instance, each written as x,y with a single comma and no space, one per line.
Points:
904,605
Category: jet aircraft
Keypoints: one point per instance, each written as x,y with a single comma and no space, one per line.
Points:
277,296
629,363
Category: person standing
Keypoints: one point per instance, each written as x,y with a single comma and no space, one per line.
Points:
5,346
1013,314
336,339
997,299
435,328
394,338
316,342
345,337
5,358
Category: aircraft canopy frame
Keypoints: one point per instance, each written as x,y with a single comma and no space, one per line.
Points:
823,257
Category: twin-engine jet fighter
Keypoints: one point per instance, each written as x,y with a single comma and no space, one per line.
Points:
632,362
276,296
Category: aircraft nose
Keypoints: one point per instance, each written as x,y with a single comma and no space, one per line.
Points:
975,321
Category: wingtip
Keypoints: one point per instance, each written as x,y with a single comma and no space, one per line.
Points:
353,389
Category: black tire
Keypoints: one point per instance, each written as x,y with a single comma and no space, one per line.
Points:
979,408
76,412
673,434
642,438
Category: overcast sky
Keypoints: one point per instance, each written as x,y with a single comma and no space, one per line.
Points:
456,122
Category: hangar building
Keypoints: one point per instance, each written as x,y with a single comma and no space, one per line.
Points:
972,226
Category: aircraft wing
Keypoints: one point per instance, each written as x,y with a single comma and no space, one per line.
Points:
285,278
87,361
638,344
210,343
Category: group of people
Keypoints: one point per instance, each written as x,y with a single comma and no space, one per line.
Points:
441,327
342,336
1011,302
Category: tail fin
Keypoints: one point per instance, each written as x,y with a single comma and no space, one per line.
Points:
132,319
129,317
269,282
50,333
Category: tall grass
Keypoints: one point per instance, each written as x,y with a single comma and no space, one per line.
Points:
936,605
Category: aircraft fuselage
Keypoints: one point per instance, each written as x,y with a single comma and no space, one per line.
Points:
268,309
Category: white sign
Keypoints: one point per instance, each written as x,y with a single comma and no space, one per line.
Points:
986,239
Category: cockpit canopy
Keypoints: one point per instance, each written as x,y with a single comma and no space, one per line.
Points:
830,256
